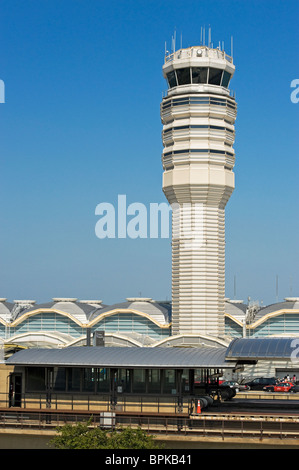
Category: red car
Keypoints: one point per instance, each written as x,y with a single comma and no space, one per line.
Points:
281,387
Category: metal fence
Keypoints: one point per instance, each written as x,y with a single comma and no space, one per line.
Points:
208,425
98,403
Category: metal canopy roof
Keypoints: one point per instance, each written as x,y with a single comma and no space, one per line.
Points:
162,358
119,357
264,348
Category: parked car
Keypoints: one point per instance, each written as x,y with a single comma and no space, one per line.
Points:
235,385
282,387
260,382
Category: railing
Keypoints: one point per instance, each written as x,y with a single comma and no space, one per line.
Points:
252,394
98,403
124,403
204,425
190,52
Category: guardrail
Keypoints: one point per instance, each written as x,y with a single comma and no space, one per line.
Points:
251,394
192,52
98,403
202,426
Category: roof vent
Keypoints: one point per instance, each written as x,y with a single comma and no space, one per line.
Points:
291,299
64,299
139,299
233,301
30,302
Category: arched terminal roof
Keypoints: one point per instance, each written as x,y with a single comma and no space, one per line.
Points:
159,311
235,309
289,303
79,309
5,309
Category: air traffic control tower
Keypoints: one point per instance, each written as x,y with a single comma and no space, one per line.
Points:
198,115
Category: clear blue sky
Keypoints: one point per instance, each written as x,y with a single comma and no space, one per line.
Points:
81,124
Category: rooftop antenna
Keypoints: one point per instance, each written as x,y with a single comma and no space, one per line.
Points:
204,35
235,286
174,40
209,37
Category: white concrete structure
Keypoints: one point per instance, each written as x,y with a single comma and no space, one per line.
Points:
198,115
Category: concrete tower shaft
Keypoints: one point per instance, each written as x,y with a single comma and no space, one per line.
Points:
198,115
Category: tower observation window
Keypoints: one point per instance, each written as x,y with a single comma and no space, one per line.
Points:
199,74
215,76
225,79
183,76
171,79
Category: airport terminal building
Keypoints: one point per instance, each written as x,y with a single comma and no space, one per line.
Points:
152,347
136,322
130,379
141,323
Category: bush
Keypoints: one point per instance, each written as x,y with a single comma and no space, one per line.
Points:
82,436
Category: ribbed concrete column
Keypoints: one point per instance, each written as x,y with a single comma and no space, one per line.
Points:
198,277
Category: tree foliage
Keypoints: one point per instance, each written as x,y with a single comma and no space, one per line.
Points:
84,436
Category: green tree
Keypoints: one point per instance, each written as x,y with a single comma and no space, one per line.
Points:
128,438
83,436
80,436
